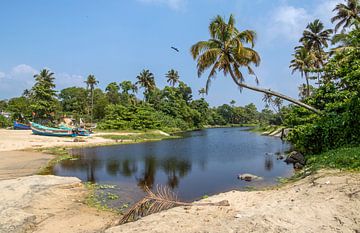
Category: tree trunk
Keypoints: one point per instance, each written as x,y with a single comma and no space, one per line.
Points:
307,85
273,93
92,105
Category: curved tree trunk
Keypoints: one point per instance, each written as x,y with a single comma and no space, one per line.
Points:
273,93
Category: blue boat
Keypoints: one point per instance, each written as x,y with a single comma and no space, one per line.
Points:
48,131
20,126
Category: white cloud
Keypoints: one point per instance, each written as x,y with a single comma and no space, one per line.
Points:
23,69
64,80
288,22
20,77
324,11
173,4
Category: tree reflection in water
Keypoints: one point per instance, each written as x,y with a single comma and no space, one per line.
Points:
175,169
269,163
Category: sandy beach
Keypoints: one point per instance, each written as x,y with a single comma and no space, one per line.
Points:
11,140
328,201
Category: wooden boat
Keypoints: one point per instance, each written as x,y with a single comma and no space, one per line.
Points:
20,126
48,131
79,131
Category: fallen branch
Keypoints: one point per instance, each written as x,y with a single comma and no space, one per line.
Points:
163,199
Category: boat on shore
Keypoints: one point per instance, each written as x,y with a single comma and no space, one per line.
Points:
19,126
48,131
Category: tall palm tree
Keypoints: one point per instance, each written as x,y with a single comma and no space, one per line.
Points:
315,38
226,51
91,82
347,14
303,62
146,80
172,77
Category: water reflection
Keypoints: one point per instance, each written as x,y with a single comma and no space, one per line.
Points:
206,162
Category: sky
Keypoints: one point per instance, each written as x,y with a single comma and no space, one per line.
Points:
115,40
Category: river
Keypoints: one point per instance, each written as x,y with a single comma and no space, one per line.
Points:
201,163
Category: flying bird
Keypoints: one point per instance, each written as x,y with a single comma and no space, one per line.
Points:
176,49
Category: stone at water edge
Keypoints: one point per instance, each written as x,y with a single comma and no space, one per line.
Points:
249,177
295,157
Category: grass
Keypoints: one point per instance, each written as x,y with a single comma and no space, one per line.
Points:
268,129
61,154
99,195
139,137
347,158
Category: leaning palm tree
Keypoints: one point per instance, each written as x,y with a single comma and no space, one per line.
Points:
347,14
91,82
226,51
172,77
303,61
146,80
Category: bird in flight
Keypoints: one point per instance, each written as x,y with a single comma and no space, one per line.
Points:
176,49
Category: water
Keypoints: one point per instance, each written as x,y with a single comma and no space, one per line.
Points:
202,163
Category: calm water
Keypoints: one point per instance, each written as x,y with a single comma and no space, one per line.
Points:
203,163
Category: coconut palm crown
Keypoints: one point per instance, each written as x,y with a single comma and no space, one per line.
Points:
226,51
346,14
146,80
172,77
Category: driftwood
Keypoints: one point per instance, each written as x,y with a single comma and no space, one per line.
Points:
163,199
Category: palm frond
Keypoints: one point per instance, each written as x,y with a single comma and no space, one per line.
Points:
163,199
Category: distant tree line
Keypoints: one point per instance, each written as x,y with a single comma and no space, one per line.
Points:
118,107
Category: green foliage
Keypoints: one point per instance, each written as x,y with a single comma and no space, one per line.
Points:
43,97
4,122
347,158
339,99
73,100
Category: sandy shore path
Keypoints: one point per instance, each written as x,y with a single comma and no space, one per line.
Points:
14,164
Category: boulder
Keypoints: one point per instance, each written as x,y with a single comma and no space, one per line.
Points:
249,177
295,157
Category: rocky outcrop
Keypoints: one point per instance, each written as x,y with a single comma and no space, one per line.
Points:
297,159
18,194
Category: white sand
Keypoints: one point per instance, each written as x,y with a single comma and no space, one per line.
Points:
24,139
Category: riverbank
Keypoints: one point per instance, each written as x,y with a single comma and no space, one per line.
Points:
327,201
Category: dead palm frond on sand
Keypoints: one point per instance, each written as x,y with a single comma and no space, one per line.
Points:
160,200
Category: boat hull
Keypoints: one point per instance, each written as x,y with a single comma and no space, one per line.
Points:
46,131
19,126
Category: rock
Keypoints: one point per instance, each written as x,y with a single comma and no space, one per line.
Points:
295,157
280,157
79,140
298,166
249,177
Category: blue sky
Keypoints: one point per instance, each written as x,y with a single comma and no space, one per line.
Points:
115,40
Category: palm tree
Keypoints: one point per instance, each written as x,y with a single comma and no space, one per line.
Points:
202,92
147,81
172,77
315,38
91,82
302,62
347,14
226,51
